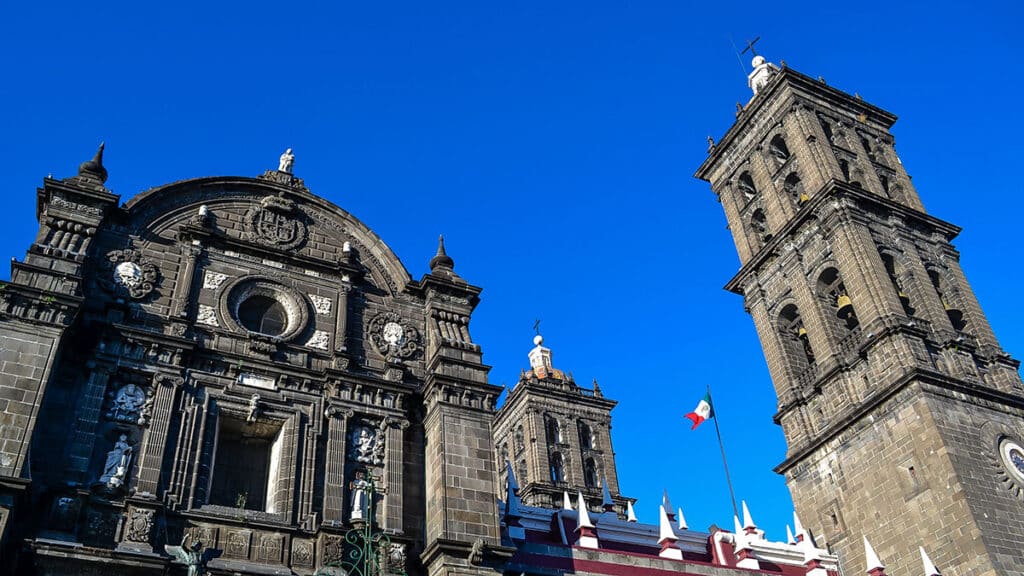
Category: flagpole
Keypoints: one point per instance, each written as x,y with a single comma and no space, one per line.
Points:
721,446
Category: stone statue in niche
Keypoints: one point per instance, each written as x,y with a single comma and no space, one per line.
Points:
360,497
115,468
130,404
368,443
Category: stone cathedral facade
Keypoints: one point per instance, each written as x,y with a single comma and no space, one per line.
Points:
232,375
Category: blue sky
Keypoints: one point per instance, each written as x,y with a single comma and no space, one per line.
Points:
553,143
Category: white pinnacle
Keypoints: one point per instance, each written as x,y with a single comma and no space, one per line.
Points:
798,528
789,536
665,531
748,522
630,514
681,519
566,502
740,537
929,568
606,496
873,563
584,518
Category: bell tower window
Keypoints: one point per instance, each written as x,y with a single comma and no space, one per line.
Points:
893,273
778,150
745,183
795,339
831,287
759,226
557,468
795,188
955,314
590,473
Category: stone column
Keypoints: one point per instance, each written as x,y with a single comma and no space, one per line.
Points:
183,288
86,420
164,388
341,326
393,468
334,475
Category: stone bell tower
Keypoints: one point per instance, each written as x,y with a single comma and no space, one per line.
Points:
904,418
557,436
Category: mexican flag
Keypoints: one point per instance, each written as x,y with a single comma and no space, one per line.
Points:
702,412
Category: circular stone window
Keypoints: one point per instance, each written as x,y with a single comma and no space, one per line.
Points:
1012,456
262,306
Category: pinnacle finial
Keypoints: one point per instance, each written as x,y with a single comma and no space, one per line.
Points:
929,568
94,167
874,565
584,514
665,532
748,521
441,259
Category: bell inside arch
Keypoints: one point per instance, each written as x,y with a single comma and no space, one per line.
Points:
801,333
844,306
904,298
956,316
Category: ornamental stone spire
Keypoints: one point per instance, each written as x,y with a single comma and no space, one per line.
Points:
929,568
762,73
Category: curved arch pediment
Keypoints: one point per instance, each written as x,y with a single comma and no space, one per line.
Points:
274,215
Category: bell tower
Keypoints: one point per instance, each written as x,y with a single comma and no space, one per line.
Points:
557,437
903,416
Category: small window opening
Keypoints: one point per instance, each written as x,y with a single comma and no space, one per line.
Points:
264,315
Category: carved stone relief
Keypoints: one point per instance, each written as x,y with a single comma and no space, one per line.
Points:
393,336
127,272
319,340
302,553
130,404
321,304
269,548
276,221
213,280
207,315
396,558
140,525
367,443
237,545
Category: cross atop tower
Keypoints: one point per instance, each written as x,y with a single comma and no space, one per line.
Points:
750,46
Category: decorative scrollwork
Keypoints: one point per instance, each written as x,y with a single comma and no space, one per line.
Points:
127,272
393,336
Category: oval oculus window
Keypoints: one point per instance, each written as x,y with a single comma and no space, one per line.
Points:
263,315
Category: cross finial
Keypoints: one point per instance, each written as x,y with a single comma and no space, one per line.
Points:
750,46
536,326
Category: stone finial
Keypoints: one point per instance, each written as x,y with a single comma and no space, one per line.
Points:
441,260
606,496
630,513
286,162
584,515
566,502
597,389
929,568
739,535
667,505
681,520
94,168
667,537
748,522
798,528
874,565
789,536
512,497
